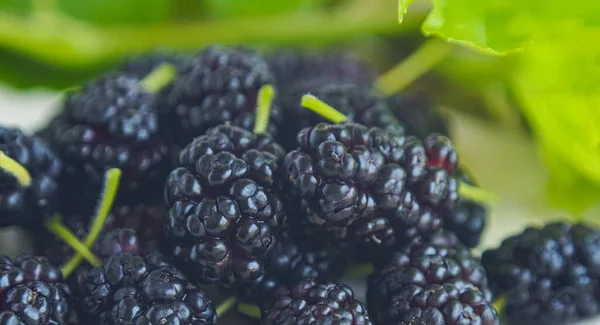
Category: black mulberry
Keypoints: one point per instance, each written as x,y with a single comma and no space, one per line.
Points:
224,211
218,85
27,206
366,185
313,302
134,289
548,275
32,291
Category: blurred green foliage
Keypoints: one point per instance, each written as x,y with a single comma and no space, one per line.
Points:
555,78
542,57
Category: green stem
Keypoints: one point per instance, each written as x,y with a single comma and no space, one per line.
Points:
263,108
111,185
13,167
325,110
476,194
411,68
499,304
249,310
55,226
359,271
71,43
160,77
225,306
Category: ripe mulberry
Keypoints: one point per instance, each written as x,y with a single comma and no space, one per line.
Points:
432,284
32,291
218,85
366,185
134,289
224,208
361,105
27,206
111,122
312,302
548,275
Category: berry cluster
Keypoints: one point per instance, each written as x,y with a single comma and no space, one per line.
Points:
268,177
548,275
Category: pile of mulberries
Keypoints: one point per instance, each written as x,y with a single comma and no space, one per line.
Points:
209,206
548,275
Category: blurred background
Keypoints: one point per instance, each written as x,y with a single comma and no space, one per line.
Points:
524,121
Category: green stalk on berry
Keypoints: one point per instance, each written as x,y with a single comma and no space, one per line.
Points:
12,167
466,191
55,226
159,78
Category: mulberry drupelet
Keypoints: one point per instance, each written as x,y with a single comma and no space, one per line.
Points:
224,208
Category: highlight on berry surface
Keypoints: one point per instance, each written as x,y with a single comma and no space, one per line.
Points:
263,108
318,106
111,186
476,194
55,226
225,306
14,168
249,310
160,77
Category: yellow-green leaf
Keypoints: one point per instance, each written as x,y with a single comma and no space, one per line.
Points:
558,84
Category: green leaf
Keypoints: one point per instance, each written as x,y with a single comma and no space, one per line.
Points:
117,12
499,26
245,8
558,84
19,7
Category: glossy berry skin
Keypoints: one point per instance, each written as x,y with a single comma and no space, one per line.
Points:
313,302
440,152
110,122
291,67
549,274
218,85
224,210
32,292
360,104
134,229
292,259
28,206
134,289
366,185
431,283
468,219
